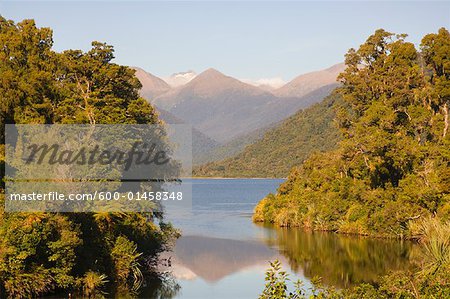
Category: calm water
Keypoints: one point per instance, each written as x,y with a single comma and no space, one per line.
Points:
222,254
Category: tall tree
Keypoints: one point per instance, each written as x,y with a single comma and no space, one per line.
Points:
436,54
44,252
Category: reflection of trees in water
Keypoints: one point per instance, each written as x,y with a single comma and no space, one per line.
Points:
162,287
341,261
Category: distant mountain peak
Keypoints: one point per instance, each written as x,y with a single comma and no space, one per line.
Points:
308,82
211,73
212,82
152,86
212,70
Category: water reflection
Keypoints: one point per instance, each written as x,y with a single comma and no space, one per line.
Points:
340,260
165,287
222,254
208,267
212,259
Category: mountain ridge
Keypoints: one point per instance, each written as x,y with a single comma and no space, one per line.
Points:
307,82
206,84
283,146
223,107
152,86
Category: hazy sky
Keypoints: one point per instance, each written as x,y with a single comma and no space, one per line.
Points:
243,39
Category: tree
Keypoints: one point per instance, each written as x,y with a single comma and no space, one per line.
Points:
27,86
436,55
391,166
42,253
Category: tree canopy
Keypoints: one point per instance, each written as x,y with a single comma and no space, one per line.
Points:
67,252
392,165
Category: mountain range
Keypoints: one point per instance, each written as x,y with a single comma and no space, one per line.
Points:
224,108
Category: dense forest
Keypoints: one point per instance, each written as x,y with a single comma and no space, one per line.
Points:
287,144
389,175
226,150
392,164
84,253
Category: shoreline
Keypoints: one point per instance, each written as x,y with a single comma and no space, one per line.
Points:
228,178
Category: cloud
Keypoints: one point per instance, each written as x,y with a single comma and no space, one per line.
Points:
268,82
179,79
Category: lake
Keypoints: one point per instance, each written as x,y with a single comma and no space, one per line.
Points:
223,254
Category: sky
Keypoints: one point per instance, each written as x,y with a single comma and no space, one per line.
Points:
247,40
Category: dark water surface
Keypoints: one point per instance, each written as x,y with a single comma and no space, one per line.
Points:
222,254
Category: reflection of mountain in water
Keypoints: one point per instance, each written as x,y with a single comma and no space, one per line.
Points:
213,259
341,261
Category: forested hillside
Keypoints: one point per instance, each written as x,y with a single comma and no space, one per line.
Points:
77,253
284,146
231,148
393,163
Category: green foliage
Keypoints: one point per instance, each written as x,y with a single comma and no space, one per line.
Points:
38,252
276,287
431,280
92,284
284,146
43,253
217,152
392,164
126,262
435,238
39,85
